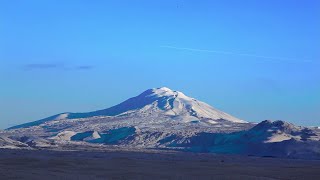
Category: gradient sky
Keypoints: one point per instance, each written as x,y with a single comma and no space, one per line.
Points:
256,60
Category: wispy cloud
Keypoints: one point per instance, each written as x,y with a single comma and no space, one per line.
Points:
84,67
55,66
272,58
43,66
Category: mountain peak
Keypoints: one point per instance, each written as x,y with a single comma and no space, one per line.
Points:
162,89
169,102
269,125
165,92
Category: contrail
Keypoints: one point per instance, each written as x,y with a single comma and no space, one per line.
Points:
238,54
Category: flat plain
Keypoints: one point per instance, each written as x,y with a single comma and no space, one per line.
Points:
153,164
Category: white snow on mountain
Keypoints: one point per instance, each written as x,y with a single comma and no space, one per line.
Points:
64,135
8,143
160,101
166,119
175,103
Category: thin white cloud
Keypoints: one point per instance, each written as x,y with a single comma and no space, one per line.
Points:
55,66
238,54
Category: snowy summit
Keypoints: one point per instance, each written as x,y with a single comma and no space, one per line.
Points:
175,103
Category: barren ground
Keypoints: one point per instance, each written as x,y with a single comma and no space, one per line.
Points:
113,164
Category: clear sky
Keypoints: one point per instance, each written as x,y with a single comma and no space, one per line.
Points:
254,59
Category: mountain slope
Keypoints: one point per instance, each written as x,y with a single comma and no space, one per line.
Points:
272,139
278,139
8,143
162,101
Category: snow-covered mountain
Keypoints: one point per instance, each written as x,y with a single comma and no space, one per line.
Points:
276,139
162,101
165,119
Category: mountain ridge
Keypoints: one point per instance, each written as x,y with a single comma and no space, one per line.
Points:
172,103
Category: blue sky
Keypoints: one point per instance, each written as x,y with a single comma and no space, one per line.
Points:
256,60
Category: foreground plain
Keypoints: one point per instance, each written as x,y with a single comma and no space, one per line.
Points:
116,164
